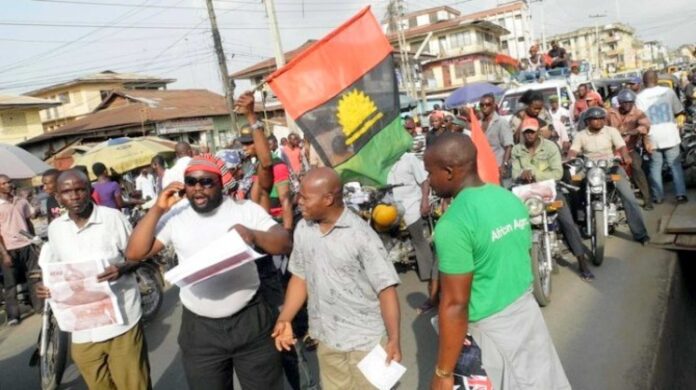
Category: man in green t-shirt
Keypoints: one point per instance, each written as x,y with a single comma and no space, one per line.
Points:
483,242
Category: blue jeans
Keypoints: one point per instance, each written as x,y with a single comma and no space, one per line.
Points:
671,155
633,215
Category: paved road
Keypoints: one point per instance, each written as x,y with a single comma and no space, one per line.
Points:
605,332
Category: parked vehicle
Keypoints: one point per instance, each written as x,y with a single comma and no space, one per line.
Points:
547,244
601,204
688,154
509,103
377,206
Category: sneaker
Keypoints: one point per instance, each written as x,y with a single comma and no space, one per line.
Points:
13,322
682,199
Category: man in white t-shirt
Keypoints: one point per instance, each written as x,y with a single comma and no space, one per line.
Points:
225,324
183,157
662,106
145,183
561,121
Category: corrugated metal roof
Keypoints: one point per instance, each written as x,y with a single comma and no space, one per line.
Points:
102,77
8,102
144,106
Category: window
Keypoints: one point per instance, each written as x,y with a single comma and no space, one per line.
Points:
64,97
520,39
49,114
459,70
460,39
433,18
412,22
442,44
504,45
501,22
489,37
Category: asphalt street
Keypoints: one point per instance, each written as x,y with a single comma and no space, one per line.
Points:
605,332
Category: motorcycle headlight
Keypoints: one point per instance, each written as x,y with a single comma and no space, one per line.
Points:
596,177
535,206
589,164
602,164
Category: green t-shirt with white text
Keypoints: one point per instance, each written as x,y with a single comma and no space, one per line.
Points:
486,231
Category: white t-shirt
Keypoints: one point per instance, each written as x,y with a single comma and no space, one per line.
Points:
189,232
410,172
176,173
146,185
661,104
559,125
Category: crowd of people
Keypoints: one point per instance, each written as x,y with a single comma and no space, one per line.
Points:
325,280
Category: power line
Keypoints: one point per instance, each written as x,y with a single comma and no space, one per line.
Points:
81,37
148,27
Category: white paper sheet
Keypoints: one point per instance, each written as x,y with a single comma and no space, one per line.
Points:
78,301
376,370
222,255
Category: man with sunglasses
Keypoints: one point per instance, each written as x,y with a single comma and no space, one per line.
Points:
226,325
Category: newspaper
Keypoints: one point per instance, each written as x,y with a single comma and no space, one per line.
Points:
78,301
545,190
222,255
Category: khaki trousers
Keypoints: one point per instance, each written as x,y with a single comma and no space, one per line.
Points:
338,370
119,363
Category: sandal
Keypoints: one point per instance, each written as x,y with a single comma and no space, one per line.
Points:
587,276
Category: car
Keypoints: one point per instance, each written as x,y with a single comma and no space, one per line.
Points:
509,103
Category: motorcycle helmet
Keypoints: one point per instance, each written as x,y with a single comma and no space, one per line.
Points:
626,96
385,216
595,113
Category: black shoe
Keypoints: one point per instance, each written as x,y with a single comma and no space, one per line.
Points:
682,199
645,240
657,201
648,207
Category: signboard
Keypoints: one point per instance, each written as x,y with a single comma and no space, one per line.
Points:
176,126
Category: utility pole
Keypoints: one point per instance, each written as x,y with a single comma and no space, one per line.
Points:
394,14
277,47
543,25
227,83
597,42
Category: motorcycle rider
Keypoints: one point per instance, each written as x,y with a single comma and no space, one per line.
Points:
634,126
413,195
665,111
598,142
537,159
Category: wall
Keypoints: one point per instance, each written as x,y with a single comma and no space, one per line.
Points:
83,99
18,125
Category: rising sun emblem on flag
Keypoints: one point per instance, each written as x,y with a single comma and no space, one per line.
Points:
356,113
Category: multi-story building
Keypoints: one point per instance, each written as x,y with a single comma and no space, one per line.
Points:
654,54
82,95
610,48
19,117
461,51
514,16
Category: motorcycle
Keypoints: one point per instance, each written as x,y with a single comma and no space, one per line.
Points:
547,245
688,153
602,204
364,200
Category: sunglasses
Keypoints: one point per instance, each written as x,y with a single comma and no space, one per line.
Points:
206,182
486,104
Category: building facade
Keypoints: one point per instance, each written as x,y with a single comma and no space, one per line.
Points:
83,95
191,115
459,52
610,48
20,119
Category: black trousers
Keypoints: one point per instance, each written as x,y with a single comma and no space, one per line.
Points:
24,260
213,347
569,228
424,253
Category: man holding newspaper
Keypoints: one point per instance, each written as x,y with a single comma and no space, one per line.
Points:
225,324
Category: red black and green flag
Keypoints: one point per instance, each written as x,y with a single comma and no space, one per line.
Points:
342,93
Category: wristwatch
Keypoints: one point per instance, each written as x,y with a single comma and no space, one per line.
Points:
442,373
257,125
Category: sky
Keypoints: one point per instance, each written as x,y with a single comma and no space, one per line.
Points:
43,42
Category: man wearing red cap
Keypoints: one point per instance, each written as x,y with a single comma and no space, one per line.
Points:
226,325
